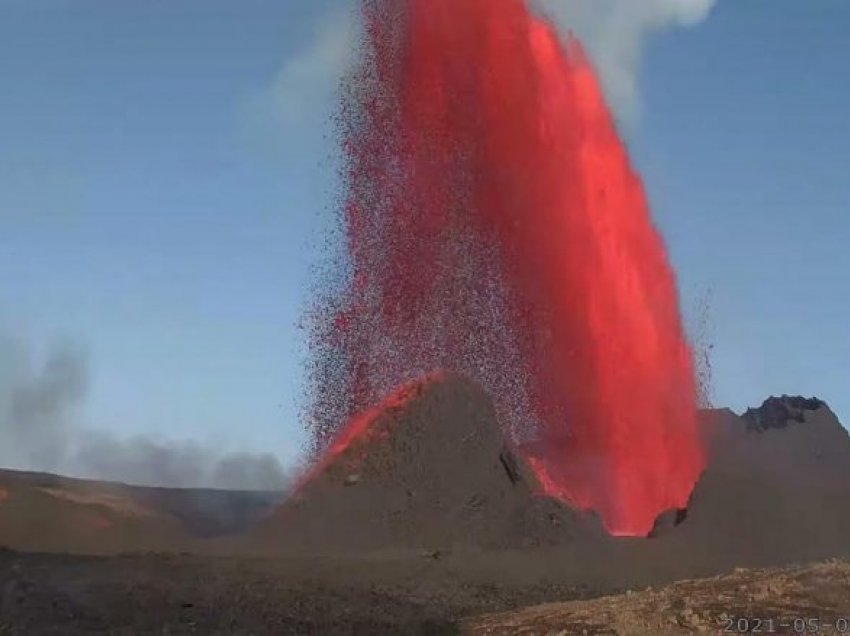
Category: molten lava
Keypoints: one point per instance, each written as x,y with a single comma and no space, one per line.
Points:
495,228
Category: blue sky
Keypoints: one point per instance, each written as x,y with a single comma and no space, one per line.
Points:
166,170
744,145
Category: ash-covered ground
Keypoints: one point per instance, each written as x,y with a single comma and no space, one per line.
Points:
422,520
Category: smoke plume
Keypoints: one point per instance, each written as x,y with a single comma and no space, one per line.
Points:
40,408
616,32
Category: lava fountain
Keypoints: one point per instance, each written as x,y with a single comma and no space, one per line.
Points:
494,227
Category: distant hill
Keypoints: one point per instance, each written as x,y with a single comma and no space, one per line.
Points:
45,512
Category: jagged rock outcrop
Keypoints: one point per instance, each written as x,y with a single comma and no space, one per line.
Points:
778,412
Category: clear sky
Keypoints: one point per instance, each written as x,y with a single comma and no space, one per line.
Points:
166,168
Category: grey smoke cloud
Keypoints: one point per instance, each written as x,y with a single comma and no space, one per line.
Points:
40,409
35,404
186,464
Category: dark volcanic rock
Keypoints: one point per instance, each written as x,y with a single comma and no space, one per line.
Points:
668,520
434,471
511,465
778,412
771,494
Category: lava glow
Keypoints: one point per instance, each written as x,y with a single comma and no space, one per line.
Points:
495,228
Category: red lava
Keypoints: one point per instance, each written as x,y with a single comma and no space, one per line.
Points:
496,228
361,427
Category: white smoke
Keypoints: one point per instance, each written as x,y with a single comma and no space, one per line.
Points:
301,95
615,34
307,80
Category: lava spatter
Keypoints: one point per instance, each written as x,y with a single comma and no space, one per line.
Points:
495,228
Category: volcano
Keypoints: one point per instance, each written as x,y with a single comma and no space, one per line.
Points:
430,467
495,228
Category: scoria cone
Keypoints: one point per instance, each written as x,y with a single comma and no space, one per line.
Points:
495,228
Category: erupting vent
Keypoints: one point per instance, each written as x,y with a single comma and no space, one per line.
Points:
495,228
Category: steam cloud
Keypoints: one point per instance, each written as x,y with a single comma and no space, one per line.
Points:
614,33
39,431
305,84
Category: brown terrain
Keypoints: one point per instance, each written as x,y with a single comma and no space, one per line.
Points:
799,600
49,513
423,519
